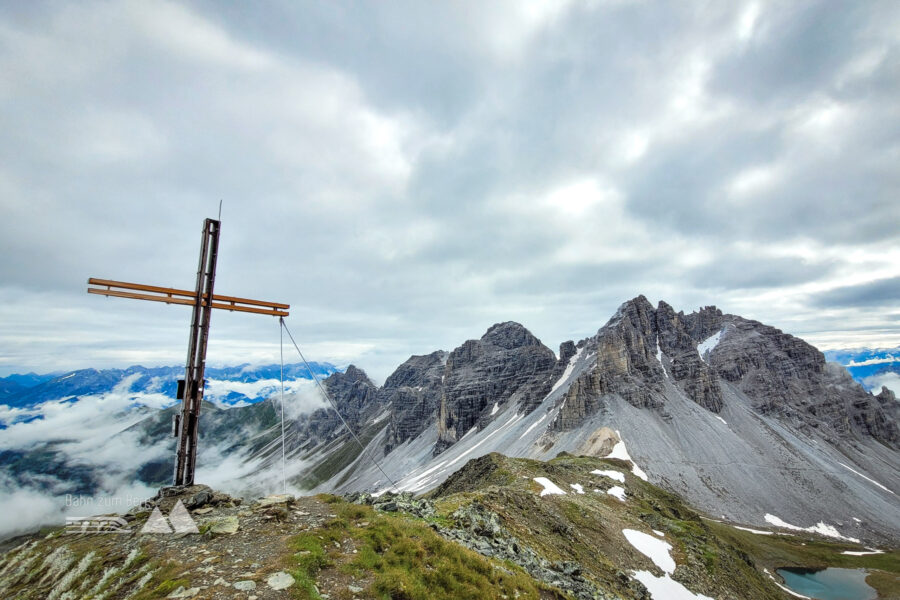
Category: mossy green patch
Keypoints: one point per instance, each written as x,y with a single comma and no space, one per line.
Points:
168,586
404,559
339,454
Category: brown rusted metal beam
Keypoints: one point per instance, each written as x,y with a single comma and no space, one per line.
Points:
185,297
189,424
186,293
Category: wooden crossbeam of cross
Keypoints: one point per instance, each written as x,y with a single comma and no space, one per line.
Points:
173,296
202,299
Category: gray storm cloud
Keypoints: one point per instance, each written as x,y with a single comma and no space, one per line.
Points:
407,174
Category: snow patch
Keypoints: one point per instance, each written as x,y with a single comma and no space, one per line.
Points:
659,533
758,531
619,451
654,549
549,486
820,528
721,419
532,426
666,588
569,368
660,588
659,356
620,477
577,487
617,491
495,409
866,478
707,345
852,553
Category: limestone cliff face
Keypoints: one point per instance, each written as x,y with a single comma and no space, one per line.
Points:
414,392
640,347
890,408
356,398
508,364
786,377
639,355
626,355
679,335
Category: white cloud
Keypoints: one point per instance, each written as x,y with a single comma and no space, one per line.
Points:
217,389
752,181
88,419
174,28
577,198
748,21
634,145
889,380
890,358
24,510
93,433
361,156
109,138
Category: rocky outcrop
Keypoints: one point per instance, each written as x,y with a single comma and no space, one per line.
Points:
641,347
626,355
888,403
678,338
886,397
508,364
566,351
788,378
356,399
414,392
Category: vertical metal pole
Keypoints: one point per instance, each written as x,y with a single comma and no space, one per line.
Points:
281,346
186,455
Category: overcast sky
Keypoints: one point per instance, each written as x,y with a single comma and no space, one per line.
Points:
405,174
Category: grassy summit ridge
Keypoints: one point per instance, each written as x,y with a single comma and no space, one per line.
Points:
492,530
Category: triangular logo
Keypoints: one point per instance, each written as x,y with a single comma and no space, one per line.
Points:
157,523
181,520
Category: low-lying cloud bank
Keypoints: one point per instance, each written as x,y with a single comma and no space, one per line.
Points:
83,456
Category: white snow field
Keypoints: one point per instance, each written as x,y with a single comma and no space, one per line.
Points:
620,477
707,345
820,528
660,588
618,492
549,487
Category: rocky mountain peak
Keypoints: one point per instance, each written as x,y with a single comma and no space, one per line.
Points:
353,374
413,391
631,312
566,351
641,351
355,397
886,396
508,364
418,371
509,335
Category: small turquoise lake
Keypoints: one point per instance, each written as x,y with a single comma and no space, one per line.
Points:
828,584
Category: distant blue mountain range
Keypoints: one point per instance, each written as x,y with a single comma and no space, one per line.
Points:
225,385
865,363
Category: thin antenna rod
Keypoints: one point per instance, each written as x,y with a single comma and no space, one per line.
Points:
220,209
